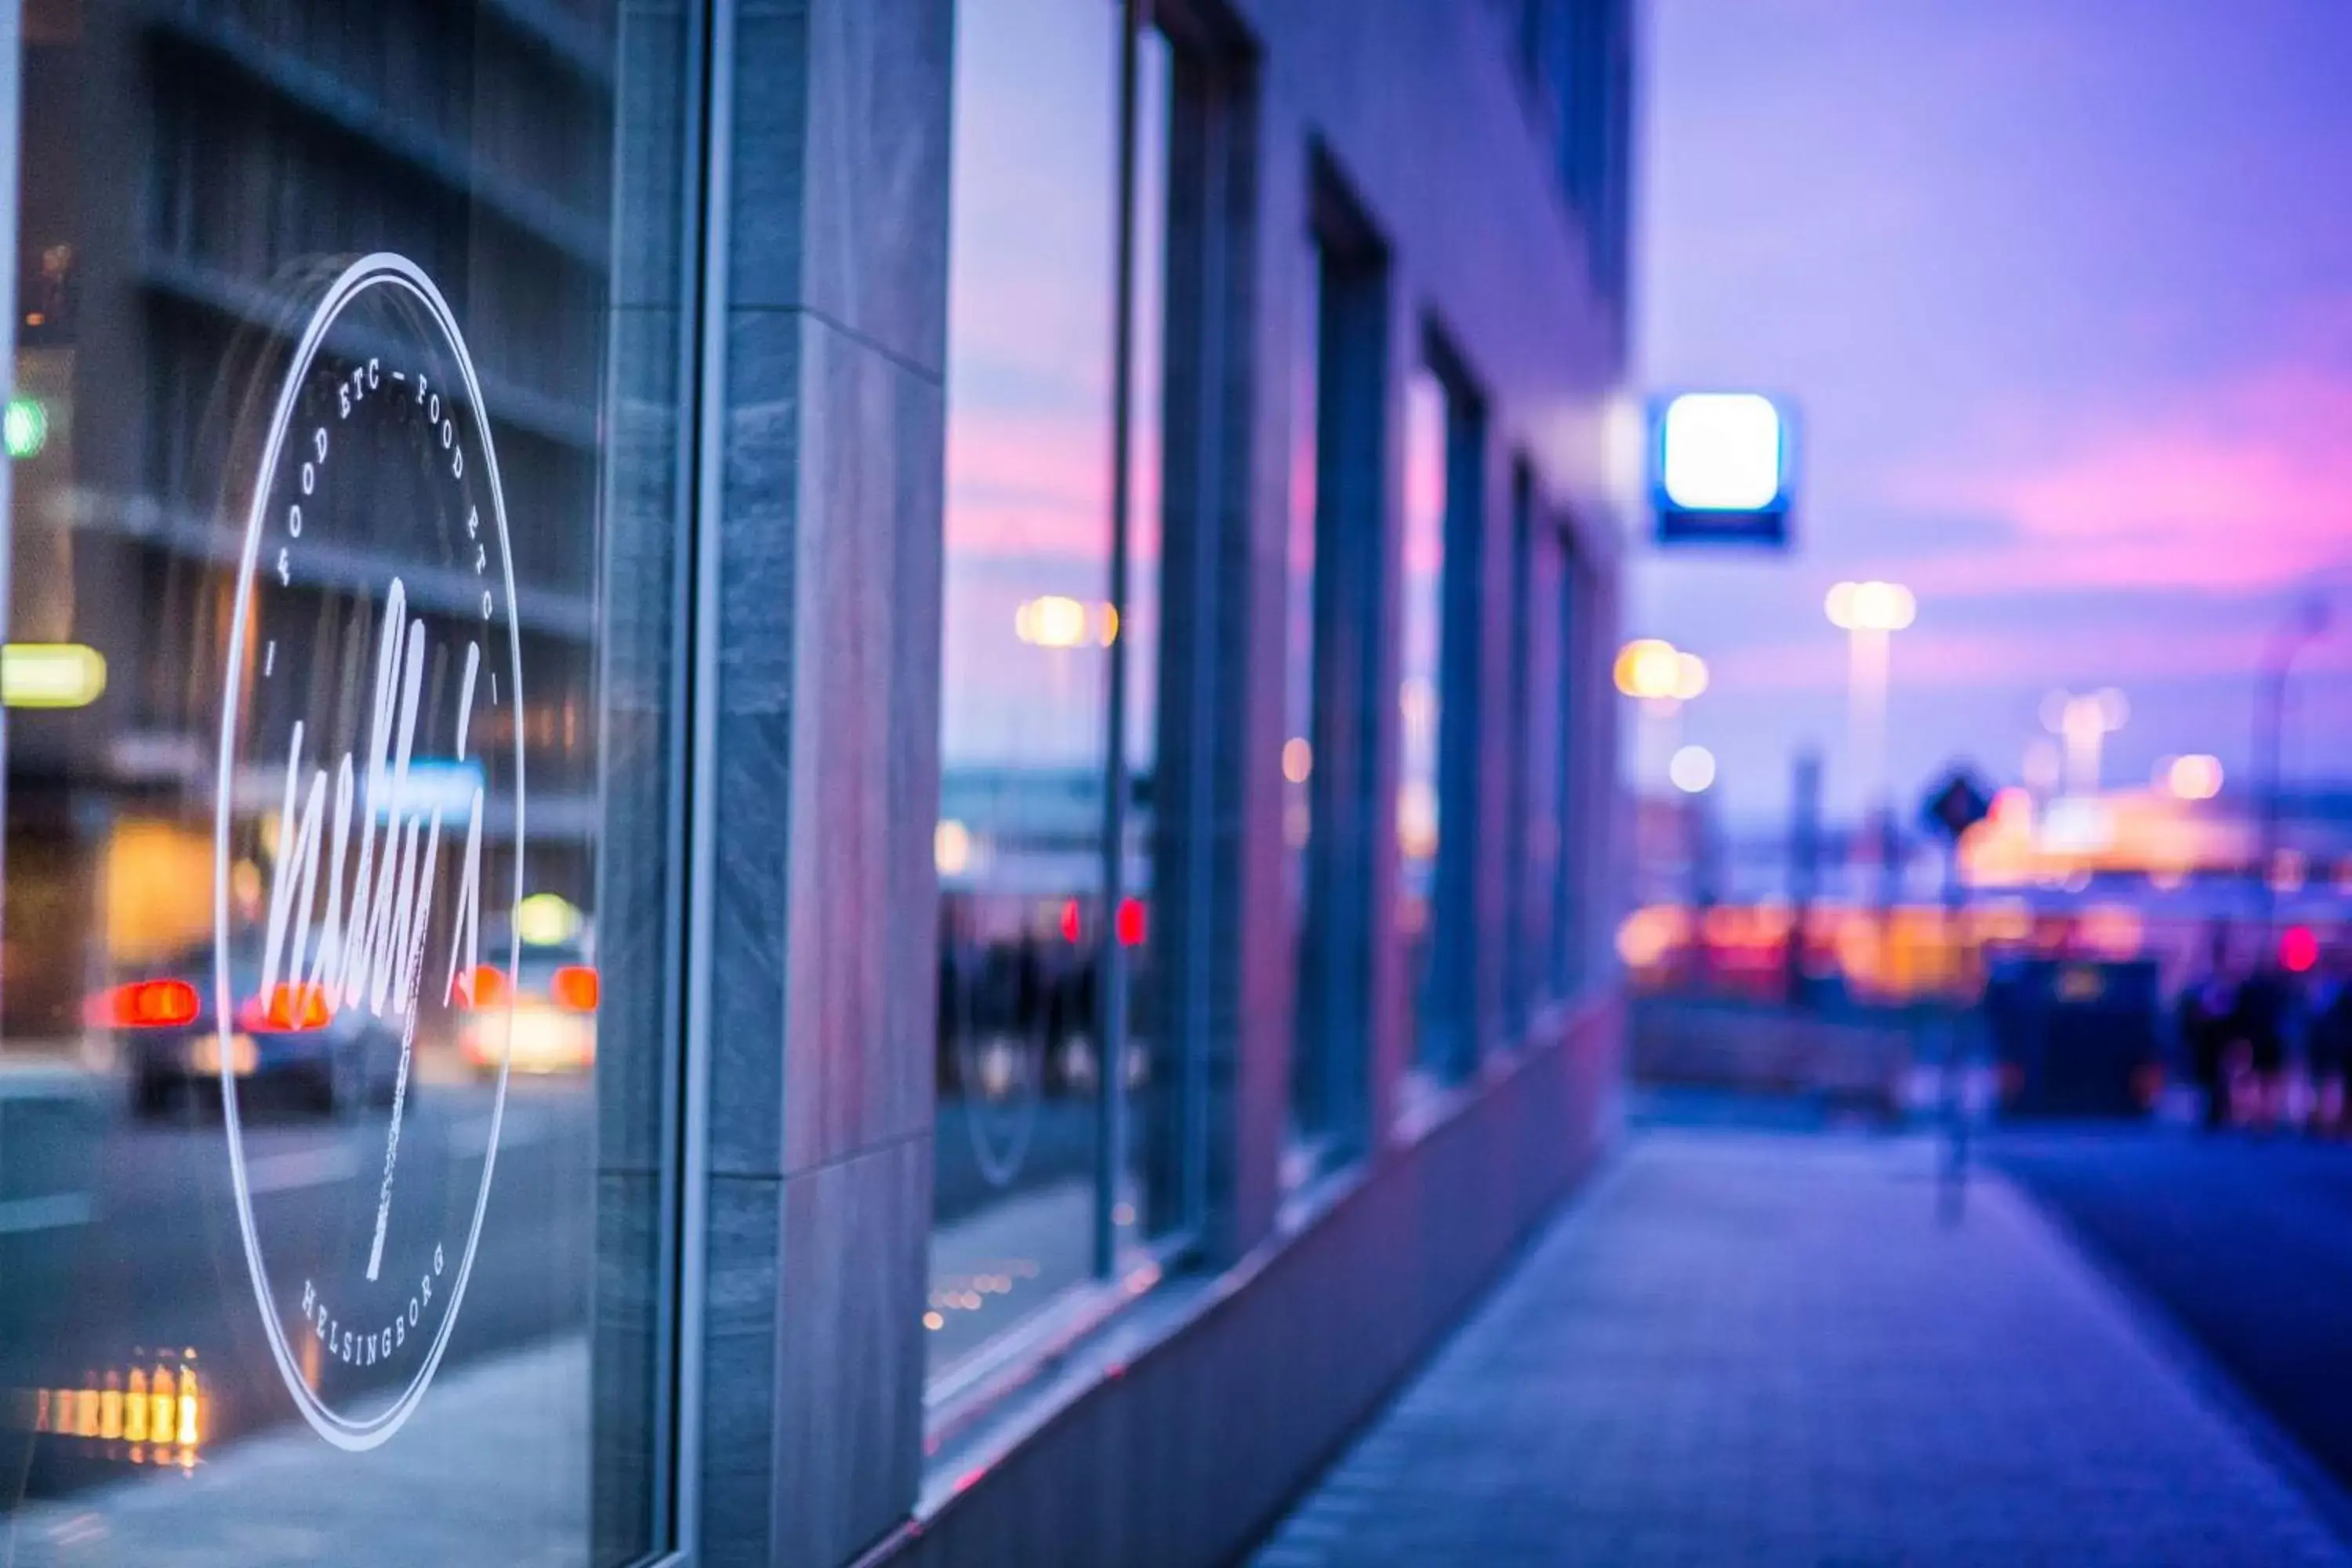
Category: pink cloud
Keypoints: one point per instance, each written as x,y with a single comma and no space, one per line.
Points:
2241,488
2061,656
1026,482
1040,484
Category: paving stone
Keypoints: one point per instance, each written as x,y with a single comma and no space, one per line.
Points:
1742,1349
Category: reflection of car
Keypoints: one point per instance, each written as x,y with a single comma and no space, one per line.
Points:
554,1027
170,1040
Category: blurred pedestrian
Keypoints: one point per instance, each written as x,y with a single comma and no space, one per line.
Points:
2209,1024
2327,1039
2265,1005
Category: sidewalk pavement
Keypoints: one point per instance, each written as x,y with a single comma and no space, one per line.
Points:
491,1471
1742,1348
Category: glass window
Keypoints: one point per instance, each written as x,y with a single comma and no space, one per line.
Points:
1334,682
1418,692
1146,1199
1437,699
1545,780
1524,740
337,1087
1569,931
1049,1171
1310,1110
1020,847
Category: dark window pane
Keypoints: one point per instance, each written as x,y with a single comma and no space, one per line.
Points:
335,1064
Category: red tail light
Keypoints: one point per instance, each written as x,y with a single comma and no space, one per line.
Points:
484,985
576,986
286,1008
146,1005
1131,923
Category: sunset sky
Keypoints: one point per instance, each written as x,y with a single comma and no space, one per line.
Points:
2062,291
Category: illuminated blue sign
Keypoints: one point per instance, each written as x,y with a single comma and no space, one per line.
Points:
434,784
1722,467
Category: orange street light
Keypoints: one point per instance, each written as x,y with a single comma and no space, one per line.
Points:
1651,667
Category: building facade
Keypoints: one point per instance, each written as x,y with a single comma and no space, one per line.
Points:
789,783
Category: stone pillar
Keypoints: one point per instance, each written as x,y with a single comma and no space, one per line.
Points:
821,520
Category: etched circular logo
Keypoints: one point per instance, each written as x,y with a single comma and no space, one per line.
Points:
369,821
1001,1064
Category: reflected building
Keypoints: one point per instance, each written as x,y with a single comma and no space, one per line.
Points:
475,139
199,183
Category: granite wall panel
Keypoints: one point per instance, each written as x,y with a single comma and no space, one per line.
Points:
824,774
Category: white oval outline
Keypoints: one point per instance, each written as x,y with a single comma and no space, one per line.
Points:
387,269
999,1168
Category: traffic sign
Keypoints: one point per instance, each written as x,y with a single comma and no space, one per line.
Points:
1957,803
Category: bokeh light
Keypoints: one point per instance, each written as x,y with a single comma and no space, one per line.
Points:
1692,770
2194,777
1649,667
1872,607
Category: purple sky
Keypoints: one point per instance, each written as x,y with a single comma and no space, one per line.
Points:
2063,292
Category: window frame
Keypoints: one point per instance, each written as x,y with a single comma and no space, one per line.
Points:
1207,106
1330,1030
1520,959
1443,1003
1579,783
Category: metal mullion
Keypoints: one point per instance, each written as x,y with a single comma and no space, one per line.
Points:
12,120
668,1532
1208,257
708,232
1110,1144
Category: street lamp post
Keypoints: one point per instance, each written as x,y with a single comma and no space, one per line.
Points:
2083,723
1869,614
1660,678
2301,628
